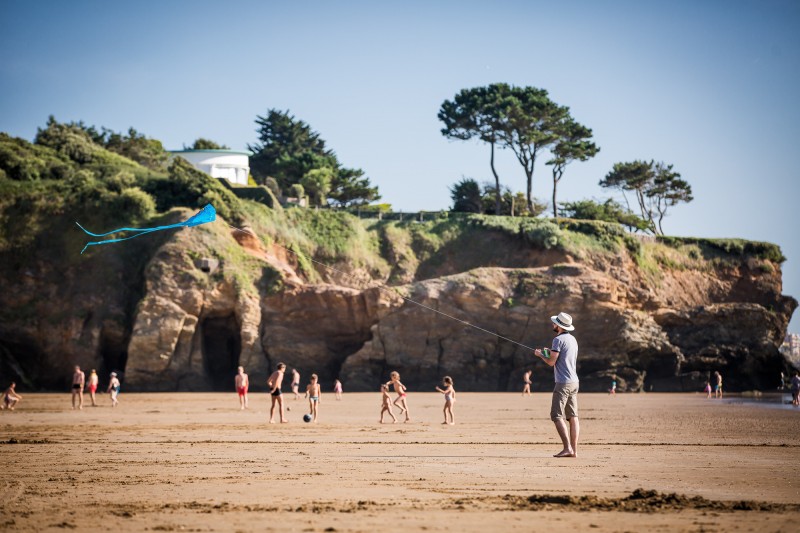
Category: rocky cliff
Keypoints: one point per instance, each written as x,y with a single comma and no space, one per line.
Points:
181,311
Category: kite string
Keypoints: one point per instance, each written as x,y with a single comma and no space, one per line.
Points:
394,292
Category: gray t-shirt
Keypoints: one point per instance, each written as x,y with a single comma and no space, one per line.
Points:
567,348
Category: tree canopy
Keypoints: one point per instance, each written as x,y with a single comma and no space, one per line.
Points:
522,119
656,187
467,196
288,149
572,144
202,143
608,211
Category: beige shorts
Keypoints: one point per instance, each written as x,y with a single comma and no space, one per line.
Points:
565,401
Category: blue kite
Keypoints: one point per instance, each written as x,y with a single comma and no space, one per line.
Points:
207,214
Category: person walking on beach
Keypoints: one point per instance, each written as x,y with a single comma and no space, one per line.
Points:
93,381
113,389
526,383
613,390
242,382
314,395
296,383
796,389
386,403
274,384
337,388
563,356
718,385
400,389
10,397
708,389
449,399
78,382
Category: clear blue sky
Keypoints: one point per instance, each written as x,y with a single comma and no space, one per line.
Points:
710,87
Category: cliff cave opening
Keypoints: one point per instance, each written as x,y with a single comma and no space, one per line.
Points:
222,344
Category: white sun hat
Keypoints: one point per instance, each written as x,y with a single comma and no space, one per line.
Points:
564,321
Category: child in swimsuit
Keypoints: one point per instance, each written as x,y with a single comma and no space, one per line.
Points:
313,393
242,382
337,388
386,403
400,389
526,383
10,397
449,399
113,389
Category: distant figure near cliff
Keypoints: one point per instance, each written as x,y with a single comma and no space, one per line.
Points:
78,382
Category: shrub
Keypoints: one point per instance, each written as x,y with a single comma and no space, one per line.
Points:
135,203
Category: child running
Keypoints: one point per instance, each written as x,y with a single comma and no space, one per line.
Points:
449,399
314,395
113,389
10,397
400,389
386,403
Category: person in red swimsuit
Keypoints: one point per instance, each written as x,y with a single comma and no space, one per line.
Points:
93,381
242,384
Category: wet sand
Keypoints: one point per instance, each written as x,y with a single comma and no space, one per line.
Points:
194,462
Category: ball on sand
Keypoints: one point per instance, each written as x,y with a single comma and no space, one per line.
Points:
306,417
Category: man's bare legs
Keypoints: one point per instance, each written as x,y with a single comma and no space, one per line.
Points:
568,439
79,396
277,401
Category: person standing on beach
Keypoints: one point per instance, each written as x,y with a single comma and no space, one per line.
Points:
526,383
708,389
10,397
78,382
386,403
113,389
337,388
274,384
93,381
718,385
449,399
400,389
796,389
296,383
563,356
613,390
242,383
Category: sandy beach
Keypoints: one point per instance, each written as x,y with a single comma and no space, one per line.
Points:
195,462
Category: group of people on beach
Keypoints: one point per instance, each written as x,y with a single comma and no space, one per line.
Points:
561,356
80,384
717,390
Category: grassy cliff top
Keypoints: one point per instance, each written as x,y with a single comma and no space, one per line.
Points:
45,188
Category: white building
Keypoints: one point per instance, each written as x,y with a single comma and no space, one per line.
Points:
229,164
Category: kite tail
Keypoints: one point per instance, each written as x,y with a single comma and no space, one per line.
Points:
207,214
142,232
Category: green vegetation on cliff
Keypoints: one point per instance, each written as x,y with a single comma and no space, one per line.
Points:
70,174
